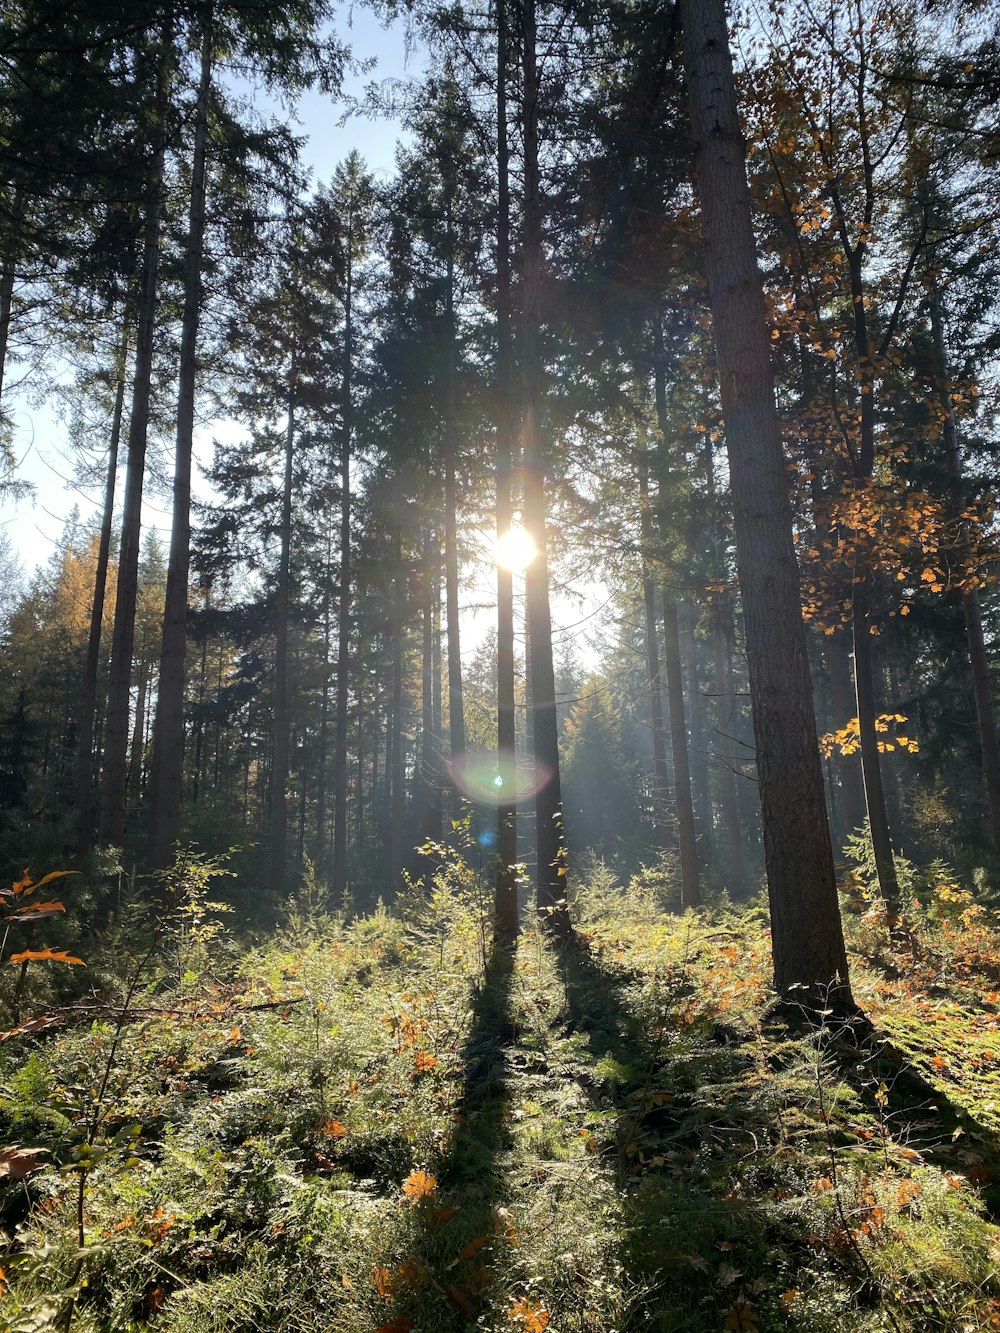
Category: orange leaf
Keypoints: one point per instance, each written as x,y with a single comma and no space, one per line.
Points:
531,1315
419,1185
37,955
333,1129
399,1325
32,911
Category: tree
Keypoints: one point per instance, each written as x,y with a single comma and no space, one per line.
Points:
807,936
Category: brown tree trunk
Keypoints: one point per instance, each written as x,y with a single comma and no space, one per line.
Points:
806,930
116,737
456,706
505,904
843,702
340,894
690,888
978,660
729,803
397,804
683,805
661,781
550,884
278,797
8,273
92,666
166,774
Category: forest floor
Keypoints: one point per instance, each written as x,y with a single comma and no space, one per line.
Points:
380,1126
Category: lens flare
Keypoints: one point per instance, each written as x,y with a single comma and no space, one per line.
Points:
515,549
496,779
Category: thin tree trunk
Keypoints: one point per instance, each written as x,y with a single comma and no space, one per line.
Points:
166,775
8,273
113,785
806,930
661,782
978,660
319,852
395,757
690,888
456,706
551,851
683,804
92,666
843,701
701,786
278,800
729,804
871,768
430,751
505,904
340,895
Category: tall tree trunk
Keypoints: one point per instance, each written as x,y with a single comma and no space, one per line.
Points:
456,706
661,781
278,798
8,273
978,660
729,803
319,851
505,904
701,785
113,784
395,757
843,701
92,665
806,930
430,745
683,804
690,888
550,883
166,774
344,606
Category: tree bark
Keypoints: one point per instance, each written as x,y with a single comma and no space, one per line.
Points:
806,930
978,660
550,883
686,840
167,768
278,798
92,665
340,787
661,781
8,273
505,904
394,775
456,706
116,738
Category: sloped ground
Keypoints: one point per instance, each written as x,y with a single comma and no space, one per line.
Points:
379,1127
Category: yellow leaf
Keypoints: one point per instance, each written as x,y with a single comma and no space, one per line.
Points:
532,1316
419,1185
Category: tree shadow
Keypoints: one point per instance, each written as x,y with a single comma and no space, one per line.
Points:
710,1121
455,1228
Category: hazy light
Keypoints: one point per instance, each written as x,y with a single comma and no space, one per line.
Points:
515,549
496,779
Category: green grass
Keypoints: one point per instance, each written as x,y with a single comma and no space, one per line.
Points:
369,1126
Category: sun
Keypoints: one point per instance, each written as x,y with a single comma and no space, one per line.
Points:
515,549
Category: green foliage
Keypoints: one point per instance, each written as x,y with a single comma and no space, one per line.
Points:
361,1125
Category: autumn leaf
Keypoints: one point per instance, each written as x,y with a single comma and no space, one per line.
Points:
39,955
398,1325
35,911
333,1129
742,1318
419,1185
423,1061
18,1163
384,1282
532,1316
